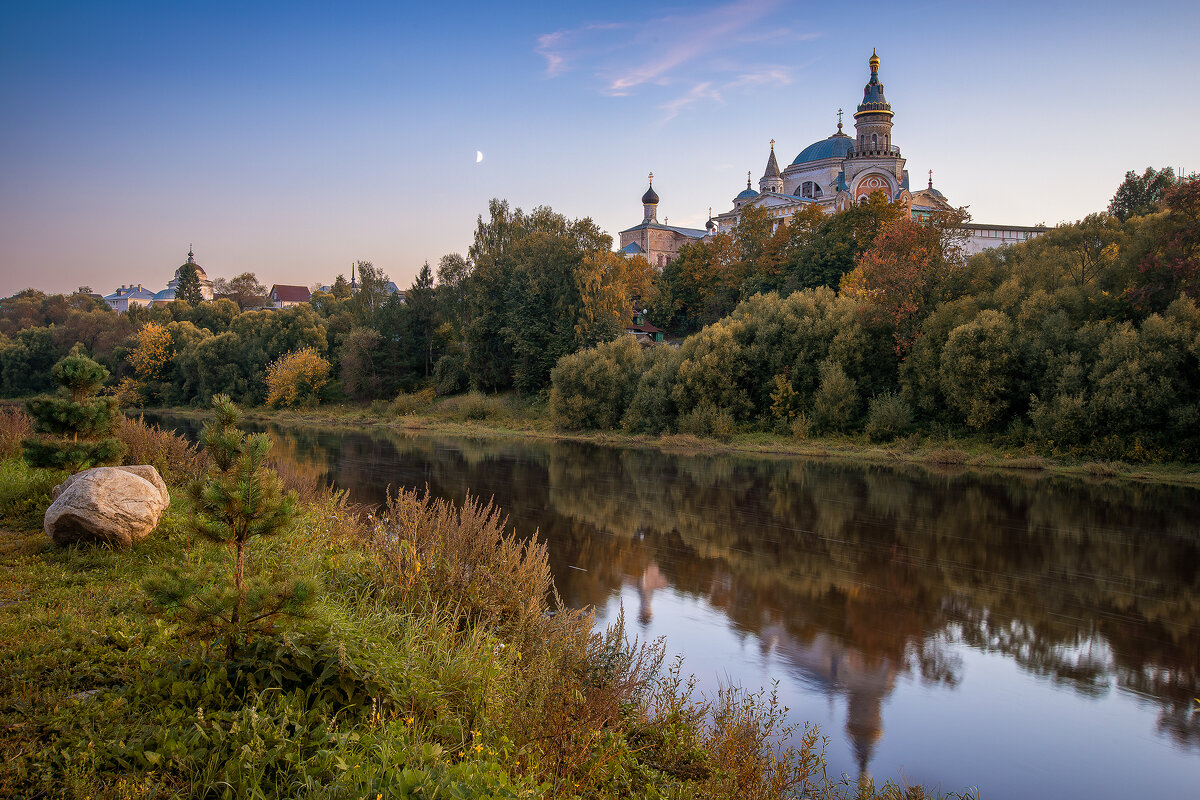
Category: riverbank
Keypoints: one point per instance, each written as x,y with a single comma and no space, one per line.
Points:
428,658
510,417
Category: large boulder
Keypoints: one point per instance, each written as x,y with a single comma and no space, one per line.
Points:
116,506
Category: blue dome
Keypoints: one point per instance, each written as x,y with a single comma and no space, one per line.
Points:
747,194
837,146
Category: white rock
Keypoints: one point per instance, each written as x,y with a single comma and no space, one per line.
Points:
107,505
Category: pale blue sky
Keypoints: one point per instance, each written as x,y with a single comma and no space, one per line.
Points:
292,138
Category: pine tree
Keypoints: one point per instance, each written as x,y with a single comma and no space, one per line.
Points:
188,288
74,427
241,498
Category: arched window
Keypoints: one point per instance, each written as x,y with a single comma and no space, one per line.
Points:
874,141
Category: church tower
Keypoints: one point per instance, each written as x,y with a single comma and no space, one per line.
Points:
650,203
771,181
873,119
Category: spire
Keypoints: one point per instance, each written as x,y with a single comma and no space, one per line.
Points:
191,255
873,100
771,180
747,179
839,130
710,225
930,179
353,283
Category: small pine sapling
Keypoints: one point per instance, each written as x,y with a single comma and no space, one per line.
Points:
240,499
74,428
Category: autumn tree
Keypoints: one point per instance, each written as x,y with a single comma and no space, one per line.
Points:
1141,194
907,270
1172,267
296,378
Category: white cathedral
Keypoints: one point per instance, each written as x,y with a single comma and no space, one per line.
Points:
832,174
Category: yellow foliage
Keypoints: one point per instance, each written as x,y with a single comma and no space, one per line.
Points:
296,378
152,353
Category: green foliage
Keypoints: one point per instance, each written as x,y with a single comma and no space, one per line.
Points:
241,499
888,417
25,493
74,429
450,374
1141,194
977,369
835,404
706,419
592,389
785,403
188,288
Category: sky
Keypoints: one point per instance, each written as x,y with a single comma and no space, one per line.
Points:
290,139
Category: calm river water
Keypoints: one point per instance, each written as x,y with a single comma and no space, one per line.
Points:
1033,637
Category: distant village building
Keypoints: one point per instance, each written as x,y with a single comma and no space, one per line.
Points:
284,296
645,333
831,174
206,286
126,297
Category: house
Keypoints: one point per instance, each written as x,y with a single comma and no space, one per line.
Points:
645,333
283,296
126,297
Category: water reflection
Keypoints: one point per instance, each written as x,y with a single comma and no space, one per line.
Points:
849,578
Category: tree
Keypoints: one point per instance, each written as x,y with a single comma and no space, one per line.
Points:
296,379
1172,267
75,426
151,355
372,292
240,499
1139,195
246,291
908,269
188,288
341,287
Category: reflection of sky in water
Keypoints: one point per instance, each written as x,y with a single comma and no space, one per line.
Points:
1037,638
996,729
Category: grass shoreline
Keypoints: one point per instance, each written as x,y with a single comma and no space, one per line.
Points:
948,456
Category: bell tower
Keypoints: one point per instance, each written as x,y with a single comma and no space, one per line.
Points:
873,119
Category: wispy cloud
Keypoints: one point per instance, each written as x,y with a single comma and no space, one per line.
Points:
711,52
701,91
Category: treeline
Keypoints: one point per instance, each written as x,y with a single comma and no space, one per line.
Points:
861,322
1085,340
533,287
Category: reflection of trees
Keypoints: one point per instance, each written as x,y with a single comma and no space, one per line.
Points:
1088,585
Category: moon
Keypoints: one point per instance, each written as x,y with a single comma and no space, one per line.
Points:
478,156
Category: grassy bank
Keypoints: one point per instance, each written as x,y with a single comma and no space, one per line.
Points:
510,416
431,659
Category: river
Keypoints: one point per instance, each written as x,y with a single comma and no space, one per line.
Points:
1032,636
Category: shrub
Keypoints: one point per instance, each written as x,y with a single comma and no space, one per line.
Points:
785,402
802,426
652,409
295,379
414,402
888,416
15,426
175,458
977,369
592,388
708,420
836,400
450,374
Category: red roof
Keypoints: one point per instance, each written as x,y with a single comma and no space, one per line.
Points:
290,294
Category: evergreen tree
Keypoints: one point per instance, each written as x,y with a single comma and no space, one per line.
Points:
188,288
74,427
241,498
1141,194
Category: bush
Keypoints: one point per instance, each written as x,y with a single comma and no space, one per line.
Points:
836,402
296,379
888,416
450,374
414,402
592,388
175,458
15,426
652,409
708,420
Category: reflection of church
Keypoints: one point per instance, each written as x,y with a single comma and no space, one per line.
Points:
831,174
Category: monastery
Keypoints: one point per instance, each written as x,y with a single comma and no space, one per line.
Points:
831,173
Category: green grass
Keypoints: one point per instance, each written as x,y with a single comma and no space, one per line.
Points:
395,681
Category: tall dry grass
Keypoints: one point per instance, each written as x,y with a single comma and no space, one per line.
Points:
175,458
15,425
